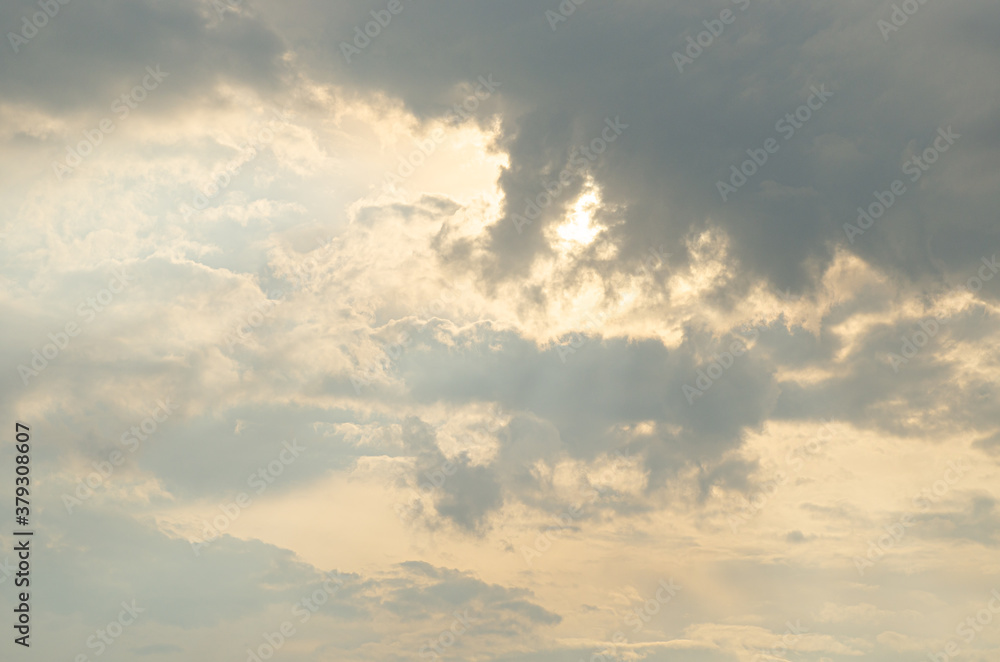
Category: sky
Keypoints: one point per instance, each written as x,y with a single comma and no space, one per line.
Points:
514,331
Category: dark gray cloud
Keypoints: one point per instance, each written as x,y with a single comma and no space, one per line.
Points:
91,53
687,129
978,522
606,383
883,376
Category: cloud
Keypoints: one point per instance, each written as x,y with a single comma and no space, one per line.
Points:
553,328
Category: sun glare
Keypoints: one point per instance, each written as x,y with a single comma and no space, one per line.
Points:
579,229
